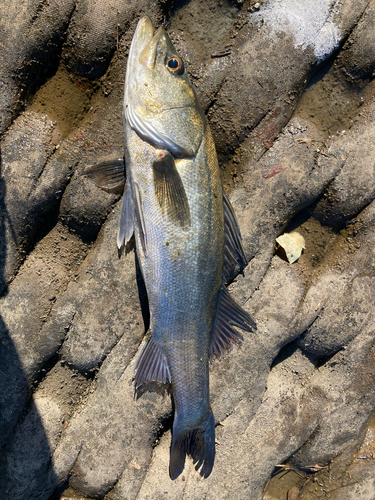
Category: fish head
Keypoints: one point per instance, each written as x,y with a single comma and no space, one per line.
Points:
160,103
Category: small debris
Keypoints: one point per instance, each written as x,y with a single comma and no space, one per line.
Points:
288,468
306,140
315,467
134,464
293,244
221,53
72,498
267,174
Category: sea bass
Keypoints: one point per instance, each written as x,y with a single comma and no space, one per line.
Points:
187,240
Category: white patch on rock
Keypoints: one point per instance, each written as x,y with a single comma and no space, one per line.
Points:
311,23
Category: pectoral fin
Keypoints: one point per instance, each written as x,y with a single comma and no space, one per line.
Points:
126,224
170,191
107,174
229,314
139,215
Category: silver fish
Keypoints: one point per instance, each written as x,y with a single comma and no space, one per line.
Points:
187,239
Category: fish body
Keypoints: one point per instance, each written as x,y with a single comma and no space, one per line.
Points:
182,271
186,235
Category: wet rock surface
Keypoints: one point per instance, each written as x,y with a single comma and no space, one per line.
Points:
289,93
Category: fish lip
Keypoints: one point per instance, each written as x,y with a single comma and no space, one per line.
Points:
142,55
147,56
144,32
143,35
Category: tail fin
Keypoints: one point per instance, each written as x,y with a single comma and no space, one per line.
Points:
199,443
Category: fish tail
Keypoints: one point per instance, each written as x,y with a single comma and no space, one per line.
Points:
198,442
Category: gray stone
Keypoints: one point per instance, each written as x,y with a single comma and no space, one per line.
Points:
71,313
95,30
358,55
354,187
289,177
360,483
346,386
84,207
341,318
32,35
14,387
113,432
25,309
30,463
27,346
105,300
26,463
33,186
257,88
365,490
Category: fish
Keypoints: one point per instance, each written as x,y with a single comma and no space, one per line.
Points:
187,239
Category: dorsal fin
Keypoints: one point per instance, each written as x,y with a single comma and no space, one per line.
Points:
234,255
228,315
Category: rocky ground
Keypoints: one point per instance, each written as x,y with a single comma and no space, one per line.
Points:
291,105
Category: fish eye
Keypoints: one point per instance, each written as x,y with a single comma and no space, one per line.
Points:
175,65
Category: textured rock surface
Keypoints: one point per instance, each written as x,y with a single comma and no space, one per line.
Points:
353,188
291,106
32,35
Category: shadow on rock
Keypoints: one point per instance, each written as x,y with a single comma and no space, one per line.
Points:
25,447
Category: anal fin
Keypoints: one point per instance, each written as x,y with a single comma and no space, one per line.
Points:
151,365
229,316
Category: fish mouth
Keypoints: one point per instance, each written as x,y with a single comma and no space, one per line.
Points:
144,45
